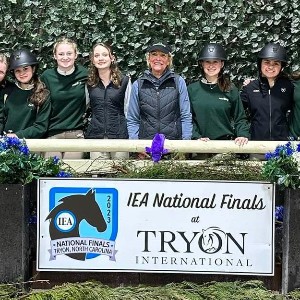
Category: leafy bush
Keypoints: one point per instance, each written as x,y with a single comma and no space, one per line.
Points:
18,165
242,26
283,166
253,290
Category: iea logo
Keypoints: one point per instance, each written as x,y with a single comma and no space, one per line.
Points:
83,222
65,221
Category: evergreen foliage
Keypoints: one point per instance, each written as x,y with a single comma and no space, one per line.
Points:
249,290
243,27
223,167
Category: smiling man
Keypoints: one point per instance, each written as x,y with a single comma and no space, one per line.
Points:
159,101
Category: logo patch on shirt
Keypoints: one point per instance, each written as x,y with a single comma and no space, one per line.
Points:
255,91
225,99
77,83
283,90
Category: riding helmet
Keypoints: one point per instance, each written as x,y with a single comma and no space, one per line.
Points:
273,51
21,58
212,51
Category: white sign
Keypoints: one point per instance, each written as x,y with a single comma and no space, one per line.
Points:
161,226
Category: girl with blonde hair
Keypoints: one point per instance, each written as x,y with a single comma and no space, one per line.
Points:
66,84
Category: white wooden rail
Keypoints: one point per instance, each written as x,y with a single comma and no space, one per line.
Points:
180,146
104,145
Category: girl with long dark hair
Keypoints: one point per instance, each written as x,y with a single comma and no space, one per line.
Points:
108,92
25,108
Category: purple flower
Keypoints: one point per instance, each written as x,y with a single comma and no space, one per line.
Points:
55,160
24,149
7,143
63,174
157,149
33,219
289,149
13,142
279,213
268,156
286,150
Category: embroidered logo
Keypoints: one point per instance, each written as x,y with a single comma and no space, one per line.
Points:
283,90
225,99
77,83
211,49
159,44
255,91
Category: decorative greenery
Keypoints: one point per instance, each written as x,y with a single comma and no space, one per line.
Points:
18,165
243,27
9,291
220,167
283,165
253,290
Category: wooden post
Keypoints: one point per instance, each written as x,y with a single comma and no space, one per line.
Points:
14,218
291,241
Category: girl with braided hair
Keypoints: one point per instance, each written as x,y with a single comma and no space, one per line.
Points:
108,92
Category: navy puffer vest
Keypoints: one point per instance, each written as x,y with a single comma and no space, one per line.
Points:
159,107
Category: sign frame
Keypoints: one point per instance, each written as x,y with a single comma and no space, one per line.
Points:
146,201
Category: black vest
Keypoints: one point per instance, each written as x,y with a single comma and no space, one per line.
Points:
107,106
159,108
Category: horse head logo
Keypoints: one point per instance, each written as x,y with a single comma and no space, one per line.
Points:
65,218
211,240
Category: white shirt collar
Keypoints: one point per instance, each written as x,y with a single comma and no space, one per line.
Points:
65,73
29,87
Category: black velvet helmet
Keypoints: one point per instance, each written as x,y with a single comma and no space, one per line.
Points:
20,58
212,51
273,51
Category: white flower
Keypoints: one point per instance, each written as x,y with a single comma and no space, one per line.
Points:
296,158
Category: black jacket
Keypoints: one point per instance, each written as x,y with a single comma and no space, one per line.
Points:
6,87
107,107
268,108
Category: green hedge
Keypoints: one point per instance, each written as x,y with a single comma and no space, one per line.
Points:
254,290
242,26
